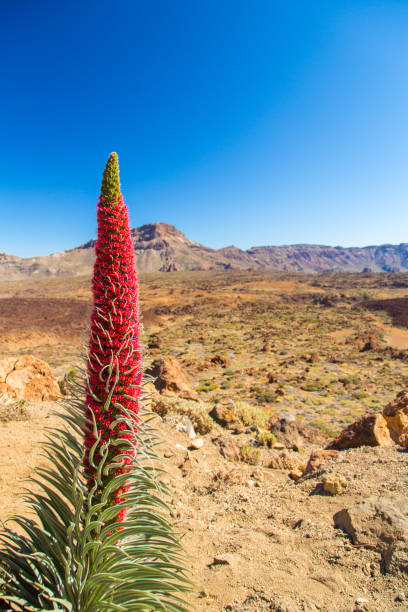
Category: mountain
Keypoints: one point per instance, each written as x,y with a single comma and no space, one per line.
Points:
162,247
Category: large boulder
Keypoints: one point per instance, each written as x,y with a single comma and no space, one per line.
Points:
170,379
369,430
292,434
379,524
286,431
396,415
28,378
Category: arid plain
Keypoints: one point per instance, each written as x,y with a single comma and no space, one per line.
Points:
317,350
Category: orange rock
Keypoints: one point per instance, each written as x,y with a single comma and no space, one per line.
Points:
225,416
170,379
369,430
318,457
221,360
396,415
28,378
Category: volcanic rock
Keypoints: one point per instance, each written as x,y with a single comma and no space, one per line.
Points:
154,342
225,416
221,360
228,448
28,378
369,430
318,457
286,431
396,416
334,483
366,341
284,460
380,524
272,377
170,379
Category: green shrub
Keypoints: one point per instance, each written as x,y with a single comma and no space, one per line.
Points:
266,438
312,386
249,454
197,412
251,415
206,386
265,397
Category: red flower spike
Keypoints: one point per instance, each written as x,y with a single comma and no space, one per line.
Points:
114,361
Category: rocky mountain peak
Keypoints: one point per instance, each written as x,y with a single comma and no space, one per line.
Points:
152,231
162,247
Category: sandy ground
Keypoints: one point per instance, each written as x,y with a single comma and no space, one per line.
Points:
282,550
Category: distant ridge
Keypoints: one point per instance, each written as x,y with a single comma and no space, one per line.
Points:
161,247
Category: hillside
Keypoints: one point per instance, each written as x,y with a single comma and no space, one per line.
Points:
160,247
292,357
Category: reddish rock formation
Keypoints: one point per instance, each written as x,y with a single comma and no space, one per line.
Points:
221,360
396,415
170,379
225,415
369,430
28,378
317,458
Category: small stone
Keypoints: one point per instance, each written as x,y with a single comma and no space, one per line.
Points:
257,474
168,454
196,443
250,483
223,559
295,475
334,483
181,447
400,597
190,429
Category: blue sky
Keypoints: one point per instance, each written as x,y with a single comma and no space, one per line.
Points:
245,122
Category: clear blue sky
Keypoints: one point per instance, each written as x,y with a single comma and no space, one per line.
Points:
245,122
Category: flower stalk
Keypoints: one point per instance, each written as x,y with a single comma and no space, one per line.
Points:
100,539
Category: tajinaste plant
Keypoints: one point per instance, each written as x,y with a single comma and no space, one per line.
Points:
114,362
101,539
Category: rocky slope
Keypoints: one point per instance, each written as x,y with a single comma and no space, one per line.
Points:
256,540
162,247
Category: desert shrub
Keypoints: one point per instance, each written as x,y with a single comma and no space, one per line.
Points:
359,395
350,380
250,454
12,409
206,386
322,426
251,415
266,438
265,397
197,412
68,381
312,386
